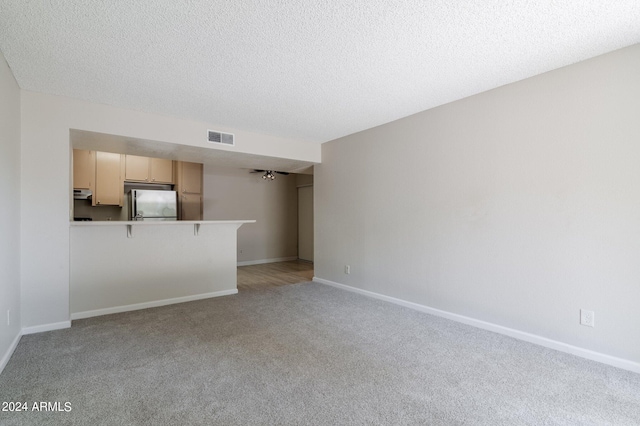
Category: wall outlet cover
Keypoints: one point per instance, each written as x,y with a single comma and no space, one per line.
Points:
587,318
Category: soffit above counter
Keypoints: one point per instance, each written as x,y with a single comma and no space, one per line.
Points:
82,139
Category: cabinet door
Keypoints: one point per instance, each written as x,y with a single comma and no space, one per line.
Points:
84,169
191,178
136,168
161,170
190,207
109,187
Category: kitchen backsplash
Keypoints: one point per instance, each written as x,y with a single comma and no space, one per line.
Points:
82,208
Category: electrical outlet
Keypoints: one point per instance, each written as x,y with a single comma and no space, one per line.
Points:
587,318
347,269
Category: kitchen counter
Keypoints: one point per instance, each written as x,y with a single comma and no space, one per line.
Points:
119,266
130,224
150,222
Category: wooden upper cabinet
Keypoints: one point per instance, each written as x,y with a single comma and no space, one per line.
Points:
191,178
101,173
136,168
189,186
145,169
109,185
84,169
161,170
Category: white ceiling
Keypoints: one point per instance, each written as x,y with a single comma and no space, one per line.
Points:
312,70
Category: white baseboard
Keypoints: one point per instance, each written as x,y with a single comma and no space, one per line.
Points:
153,304
7,355
46,327
261,261
517,334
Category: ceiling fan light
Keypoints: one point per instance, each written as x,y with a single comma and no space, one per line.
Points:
268,175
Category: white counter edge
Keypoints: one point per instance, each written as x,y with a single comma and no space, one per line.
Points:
156,223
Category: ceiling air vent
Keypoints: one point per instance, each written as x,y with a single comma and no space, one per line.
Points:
222,138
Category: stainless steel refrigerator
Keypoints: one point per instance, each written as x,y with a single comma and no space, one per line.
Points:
145,204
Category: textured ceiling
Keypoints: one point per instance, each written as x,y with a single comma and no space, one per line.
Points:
312,70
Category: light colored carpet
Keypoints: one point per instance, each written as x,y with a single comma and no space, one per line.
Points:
305,354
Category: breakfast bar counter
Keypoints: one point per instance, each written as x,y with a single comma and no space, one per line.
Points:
119,266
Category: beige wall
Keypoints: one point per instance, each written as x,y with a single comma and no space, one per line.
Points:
518,206
304,180
231,194
46,185
305,222
9,209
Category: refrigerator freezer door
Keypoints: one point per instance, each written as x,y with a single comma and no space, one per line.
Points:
154,204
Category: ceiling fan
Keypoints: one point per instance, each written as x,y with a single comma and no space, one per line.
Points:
269,174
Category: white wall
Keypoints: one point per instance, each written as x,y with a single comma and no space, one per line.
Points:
9,210
518,206
237,194
45,190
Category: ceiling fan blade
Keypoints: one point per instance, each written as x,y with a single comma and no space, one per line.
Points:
272,171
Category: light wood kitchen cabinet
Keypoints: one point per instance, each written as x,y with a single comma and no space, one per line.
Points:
109,185
84,169
136,168
190,207
161,170
189,186
145,169
190,177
